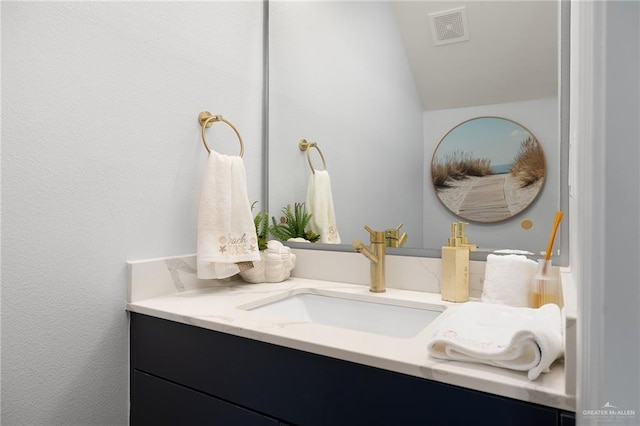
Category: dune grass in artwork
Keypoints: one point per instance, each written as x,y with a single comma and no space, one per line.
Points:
458,165
528,165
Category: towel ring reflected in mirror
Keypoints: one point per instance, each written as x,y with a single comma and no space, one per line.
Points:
305,146
207,119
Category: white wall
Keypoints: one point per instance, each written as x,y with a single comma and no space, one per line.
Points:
622,177
339,76
605,205
101,164
540,117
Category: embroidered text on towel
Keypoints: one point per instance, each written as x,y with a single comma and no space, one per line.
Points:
237,245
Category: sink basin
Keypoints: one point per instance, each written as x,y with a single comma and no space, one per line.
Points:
381,316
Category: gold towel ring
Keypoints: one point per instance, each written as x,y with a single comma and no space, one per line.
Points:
206,120
304,146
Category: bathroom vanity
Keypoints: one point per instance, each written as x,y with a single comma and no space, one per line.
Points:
201,354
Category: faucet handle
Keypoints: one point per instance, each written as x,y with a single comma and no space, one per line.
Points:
402,240
397,228
393,237
376,236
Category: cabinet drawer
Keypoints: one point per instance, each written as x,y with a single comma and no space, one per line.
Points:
567,419
157,402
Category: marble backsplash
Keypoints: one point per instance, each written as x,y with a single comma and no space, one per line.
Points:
177,274
403,272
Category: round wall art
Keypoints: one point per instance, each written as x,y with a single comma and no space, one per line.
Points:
488,169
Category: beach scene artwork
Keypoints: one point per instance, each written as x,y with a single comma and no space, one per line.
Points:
488,169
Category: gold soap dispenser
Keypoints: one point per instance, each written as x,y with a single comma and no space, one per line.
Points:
454,276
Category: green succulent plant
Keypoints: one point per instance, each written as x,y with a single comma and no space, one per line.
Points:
261,222
294,224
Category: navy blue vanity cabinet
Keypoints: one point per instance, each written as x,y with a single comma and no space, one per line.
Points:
187,369
156,401
567,419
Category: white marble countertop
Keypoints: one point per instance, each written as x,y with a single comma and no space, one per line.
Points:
218,307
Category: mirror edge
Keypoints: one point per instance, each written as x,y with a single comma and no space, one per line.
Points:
564,83
265,106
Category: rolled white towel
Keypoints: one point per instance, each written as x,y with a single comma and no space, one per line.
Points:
507,279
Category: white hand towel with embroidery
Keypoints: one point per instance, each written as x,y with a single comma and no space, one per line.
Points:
320,204
226,234
515,338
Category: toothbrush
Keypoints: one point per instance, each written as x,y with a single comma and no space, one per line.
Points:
552,237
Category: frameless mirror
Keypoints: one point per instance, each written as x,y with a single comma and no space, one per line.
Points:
378,84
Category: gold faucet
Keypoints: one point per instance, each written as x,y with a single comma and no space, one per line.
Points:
376,254
393,237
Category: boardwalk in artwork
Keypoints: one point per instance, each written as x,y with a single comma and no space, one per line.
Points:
485,201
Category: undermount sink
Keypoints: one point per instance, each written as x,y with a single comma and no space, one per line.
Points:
387,317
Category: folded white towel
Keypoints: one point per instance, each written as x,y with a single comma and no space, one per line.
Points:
522,339
507,279
320,205
226,232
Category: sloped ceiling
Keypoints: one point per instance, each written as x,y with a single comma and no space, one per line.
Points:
512,53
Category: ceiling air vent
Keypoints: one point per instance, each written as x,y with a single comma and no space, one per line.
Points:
449,26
